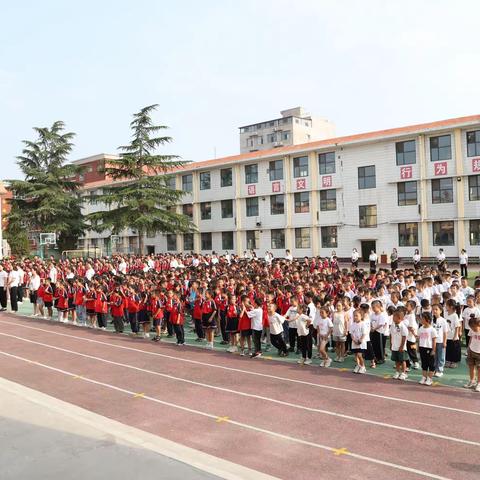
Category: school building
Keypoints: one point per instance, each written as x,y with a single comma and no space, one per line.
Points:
410,187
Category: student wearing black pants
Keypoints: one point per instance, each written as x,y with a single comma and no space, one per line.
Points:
179,333
14,298
292,338
3,298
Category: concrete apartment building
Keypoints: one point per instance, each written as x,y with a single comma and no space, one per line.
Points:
410,187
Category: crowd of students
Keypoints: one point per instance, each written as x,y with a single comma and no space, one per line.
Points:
296,307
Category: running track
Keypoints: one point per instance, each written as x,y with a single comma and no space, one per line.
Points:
281,419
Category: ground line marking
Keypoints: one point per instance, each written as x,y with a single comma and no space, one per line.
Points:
245,394
249,372
233,422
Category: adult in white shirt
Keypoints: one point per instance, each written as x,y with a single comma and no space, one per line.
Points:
122,267
463,261
33,286
288,256
355,256
3,288
373,259
53,273
416,259
441,260
90,272
13,282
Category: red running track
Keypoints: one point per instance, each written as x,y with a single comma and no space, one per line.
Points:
281,419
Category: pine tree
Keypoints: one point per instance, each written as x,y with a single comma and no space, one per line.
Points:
140,197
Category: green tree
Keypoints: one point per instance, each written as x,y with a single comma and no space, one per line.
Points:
47,200
140,196
16,234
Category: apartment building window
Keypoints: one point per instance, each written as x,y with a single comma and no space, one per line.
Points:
366,177
252,206
329,237
205,182
271,137
187,182
326,163
474,188
206,211
226,179
408,234
300,167
277,204
367,216
251,173
253,239
275,170
474,232
286,136
227,208
171,182
188,210
278,238
406,152
187,241
328,200
407,193
171,242
260,140
473,143
227,240
302,237
206,241
443,233
442,190
302,202
440,148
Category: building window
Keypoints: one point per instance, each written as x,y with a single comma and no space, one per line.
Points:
302,202
286,136
188,210
366,177
408,234
187,182
251,173
171,242
302,237
171,182
440,148
328,200
226,177
206,211
326,163
227,208
474,232
187,241
474,188
227,240
368,216
252,206
205,181
473,143
329,237
407,193
442,190
275,170
271,137
253,239
406,152
443,233
300,167
277,204
206,241
278,239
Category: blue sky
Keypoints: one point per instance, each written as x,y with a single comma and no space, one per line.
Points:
214,65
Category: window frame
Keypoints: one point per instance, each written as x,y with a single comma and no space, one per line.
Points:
400,155
190,188
327,203
437,193
273,241
185,245
184,206
223,203
437,157
256,239
299,204
251,203
205,210
229,182
474,188
275,170
475,143
171,236
230,233
203,182
203,237
274,209
474,233
325,163
300,239
402,235
404,198
441,225
300,170
324,234
251,177
365,223
363,179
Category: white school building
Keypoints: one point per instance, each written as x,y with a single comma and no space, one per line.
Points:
411,187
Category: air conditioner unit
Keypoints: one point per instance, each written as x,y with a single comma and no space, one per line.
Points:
258,223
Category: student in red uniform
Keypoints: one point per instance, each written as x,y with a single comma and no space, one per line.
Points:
158,306
48,297
221,301
143,314
209,313
79,292
177,317
90,307
115,302
133,307
232,317
197,316
101,307
245,325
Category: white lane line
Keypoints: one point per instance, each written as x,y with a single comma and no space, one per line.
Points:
233,422
249,372
249,395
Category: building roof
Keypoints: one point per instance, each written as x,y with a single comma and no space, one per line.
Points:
320,144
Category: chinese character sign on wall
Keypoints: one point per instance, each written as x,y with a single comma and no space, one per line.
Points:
476,165
405,172
301,184
441,168
327,181
251,189
275,187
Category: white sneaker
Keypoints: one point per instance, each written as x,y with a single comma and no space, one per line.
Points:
438,374
301,361
428,382
356,369
477,388
362,370
242,352
308,361
416,366
396,375
403,376
327,362
470,384
422,381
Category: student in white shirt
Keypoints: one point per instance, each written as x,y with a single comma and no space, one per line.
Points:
291,316
473,354
12,283
340,329
398,341
304,336
441,261
468,311
276,322
379,329
441,327
427,336
33,286
412,325
324,327
355,256
256,317
288,256
3,289
358,332
453,353
463,261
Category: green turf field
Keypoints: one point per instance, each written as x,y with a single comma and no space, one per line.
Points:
453,377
